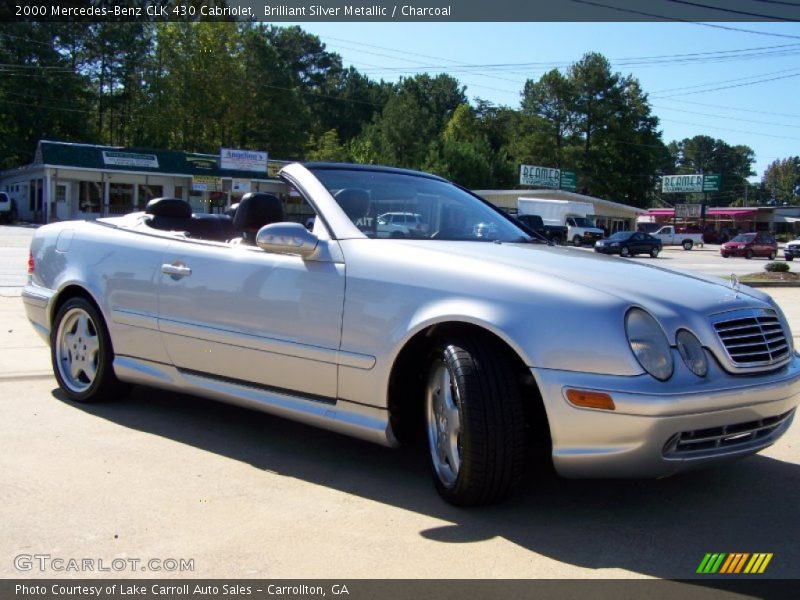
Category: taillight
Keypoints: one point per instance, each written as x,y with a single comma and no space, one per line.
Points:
31,263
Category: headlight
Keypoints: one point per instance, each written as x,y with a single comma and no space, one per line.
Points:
649,343
692,353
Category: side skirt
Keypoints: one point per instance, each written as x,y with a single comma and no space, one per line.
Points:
357,420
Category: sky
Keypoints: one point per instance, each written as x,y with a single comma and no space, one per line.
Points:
739,82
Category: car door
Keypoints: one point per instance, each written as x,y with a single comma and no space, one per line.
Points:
246,315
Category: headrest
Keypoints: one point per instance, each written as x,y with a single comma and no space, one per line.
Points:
256,210
354,202
169,207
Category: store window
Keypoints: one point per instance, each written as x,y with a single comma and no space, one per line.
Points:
61,193
90,196
120,198
147,193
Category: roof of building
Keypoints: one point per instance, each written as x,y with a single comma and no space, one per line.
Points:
145,160
561,195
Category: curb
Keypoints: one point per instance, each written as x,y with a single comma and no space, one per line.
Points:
769,284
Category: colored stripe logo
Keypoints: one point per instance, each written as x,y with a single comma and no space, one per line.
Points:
734,563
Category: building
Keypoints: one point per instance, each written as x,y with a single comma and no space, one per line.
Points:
611,216
775,219
84,181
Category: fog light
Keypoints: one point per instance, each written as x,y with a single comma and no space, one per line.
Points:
692,353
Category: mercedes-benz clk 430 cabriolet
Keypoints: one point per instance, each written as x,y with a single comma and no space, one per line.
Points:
496,348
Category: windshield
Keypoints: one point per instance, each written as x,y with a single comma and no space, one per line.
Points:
396,205
583,222
620,235
744,237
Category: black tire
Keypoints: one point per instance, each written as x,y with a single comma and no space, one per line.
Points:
687,244
624,251
772,255
82,355
654,252
577,241
474,422
788,257
748,255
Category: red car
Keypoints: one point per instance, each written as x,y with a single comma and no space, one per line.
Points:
750,245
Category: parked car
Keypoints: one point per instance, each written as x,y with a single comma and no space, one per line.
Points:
629,243
496,348
792,250
670,237
750,245
554,233
8,208
401,224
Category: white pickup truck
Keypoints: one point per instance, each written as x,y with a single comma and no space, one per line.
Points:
669,237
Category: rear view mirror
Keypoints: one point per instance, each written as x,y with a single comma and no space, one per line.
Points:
287,238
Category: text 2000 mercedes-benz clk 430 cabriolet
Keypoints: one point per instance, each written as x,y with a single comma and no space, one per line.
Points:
497,348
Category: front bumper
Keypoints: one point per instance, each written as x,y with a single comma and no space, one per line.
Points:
658,429
607,249
793,251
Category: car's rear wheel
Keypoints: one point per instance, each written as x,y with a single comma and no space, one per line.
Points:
577,241
81,353
474,421
748,255
654,252
772,255
788,257
687,244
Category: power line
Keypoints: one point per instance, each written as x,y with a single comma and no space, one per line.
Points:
702,114
730,10
750,110
665,18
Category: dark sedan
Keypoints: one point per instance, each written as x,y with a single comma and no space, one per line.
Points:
629,243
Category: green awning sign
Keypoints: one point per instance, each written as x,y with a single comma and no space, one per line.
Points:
546,177
690,184
569,180
712,183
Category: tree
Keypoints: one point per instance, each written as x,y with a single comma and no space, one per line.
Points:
782,180
327,148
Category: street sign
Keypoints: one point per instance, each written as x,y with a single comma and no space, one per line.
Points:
690,211
569,180
711,182
684,184
539,176
690,184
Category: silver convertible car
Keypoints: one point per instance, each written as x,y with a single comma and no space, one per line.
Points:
495,348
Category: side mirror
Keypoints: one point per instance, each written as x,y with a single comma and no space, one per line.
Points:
287,238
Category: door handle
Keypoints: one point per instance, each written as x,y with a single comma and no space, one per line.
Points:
176,270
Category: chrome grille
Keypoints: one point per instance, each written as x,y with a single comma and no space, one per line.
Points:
754,339
752,435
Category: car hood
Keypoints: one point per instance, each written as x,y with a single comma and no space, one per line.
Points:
633,282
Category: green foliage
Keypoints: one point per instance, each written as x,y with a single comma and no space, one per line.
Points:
782,180
327,148
776,267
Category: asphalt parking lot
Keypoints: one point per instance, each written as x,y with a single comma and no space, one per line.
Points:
241,494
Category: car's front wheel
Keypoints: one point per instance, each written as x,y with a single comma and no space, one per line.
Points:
577,241
624,251
654,252
81,353
788,257
474,422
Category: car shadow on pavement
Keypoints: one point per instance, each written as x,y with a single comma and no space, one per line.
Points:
659,528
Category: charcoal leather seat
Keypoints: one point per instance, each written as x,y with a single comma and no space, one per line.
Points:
256,210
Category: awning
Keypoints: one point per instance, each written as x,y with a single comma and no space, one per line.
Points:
785,219
733,213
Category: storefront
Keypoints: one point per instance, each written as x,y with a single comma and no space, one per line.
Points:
83,181
611,216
